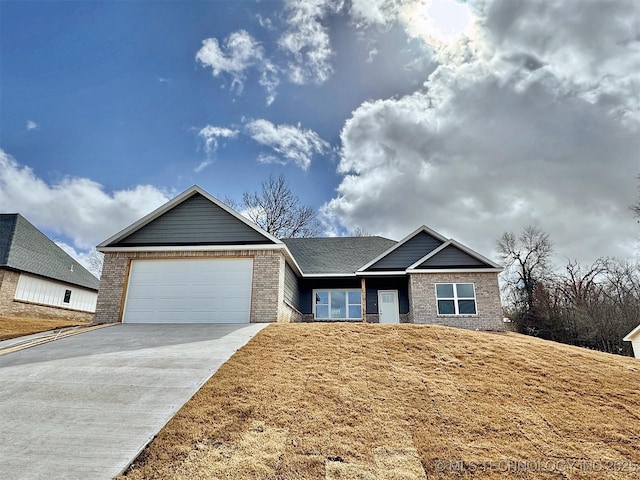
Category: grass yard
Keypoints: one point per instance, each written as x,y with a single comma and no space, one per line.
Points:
356,401
11,327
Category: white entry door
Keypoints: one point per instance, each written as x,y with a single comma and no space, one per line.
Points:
388,306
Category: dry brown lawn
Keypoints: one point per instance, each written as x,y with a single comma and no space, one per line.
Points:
11,327
356,401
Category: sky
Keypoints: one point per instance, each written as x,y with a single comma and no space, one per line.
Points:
474,118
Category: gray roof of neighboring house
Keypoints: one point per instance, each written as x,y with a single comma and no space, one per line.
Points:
336,255
25,248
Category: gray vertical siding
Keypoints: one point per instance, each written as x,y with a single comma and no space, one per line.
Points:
291,290
452,257
408,253
401,284
307,285
196,221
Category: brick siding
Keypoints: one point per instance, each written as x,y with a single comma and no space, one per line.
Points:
18,308
267,290
422,296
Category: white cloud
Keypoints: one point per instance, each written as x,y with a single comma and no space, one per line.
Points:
307,40
210,135
202,165
31,125
83,257
378,12
531,121
77,208
291,143
239,52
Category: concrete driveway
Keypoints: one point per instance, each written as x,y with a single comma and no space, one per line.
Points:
83,407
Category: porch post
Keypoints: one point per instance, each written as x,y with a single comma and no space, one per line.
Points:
363,287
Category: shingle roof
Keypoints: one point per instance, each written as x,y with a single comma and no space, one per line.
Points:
336,254
25,248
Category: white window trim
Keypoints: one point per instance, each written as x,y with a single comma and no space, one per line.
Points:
347,304
455,299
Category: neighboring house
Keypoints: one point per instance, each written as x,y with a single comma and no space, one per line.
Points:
38,278
634,338
197,260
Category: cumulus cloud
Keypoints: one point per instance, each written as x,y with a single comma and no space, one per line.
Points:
529,122
78,208
291,143
379,12
239,52
31,125
307,40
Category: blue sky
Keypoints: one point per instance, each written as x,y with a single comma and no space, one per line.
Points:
473,118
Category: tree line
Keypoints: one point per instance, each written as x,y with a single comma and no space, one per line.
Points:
592,306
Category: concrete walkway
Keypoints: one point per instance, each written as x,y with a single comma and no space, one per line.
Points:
83,407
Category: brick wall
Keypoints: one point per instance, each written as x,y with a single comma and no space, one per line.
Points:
422,295
8,284
9,306
375,318
289,314
267,291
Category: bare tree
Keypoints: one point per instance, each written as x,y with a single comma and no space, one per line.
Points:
526,257
96,260
635,208
360,232
278,211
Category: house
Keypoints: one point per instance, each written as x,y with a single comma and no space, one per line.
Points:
197,260
634,338
38,278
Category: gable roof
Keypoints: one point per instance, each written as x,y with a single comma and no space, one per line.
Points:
192,218
403,253
426,249
26,249
335,255
453,255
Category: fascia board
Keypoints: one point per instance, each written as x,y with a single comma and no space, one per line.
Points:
455,270
192,248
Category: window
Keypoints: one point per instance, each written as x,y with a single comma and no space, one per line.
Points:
337,304
456,299
67,296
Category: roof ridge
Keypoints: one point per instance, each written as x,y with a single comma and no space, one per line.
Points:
35,253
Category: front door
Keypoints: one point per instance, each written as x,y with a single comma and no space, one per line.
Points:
388,306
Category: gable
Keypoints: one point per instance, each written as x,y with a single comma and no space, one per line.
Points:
452,257
194,221
408,253
26,249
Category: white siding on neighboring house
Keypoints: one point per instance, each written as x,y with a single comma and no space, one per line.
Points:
48,292
634,337
635,344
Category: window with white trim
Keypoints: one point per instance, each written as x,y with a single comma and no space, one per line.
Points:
337,304
456,299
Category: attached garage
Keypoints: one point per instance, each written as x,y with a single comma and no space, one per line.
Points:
202,290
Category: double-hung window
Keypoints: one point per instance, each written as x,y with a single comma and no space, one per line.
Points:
456,299
337,304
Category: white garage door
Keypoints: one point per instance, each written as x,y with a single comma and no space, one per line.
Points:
189,291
